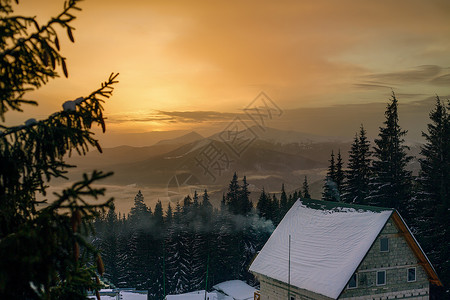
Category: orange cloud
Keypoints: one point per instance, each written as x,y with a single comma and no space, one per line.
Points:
217,56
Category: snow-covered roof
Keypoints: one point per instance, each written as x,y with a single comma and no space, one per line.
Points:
328,242
237,289
199,295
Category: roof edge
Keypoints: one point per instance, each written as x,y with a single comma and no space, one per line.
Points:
417,250
315,204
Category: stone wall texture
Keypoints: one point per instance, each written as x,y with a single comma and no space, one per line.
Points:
396,263
271,289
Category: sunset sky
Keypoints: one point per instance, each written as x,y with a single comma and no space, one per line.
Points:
193,65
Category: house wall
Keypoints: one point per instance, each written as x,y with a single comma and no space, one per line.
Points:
396,263
271,289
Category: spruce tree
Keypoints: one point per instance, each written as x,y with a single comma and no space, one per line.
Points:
434,175
187,202
244,199
195,201
40,246
124,273
274,205
390,184
332,168
195,246
174,251
140,245
356,185
305,189
365,159
166,236
169,215
187,263
205,200
284,205
109,246
158,218
330,188
139,210
432,204
223,203
444,217
157,230
263,206
296,195
350,191
223,257
233,195
339,175
291,200
206,211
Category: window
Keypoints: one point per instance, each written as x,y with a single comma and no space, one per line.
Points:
411,274
381,277
384,244
352,283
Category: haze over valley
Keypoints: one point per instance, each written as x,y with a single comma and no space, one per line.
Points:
170,169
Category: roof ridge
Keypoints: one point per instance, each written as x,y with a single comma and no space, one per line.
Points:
322,204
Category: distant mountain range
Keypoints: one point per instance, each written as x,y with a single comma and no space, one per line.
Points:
184,139
268,157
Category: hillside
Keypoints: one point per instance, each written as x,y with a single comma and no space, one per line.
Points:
272,158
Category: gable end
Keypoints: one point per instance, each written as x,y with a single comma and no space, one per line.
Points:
362,260
417,250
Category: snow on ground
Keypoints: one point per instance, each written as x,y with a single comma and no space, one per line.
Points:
237,289
199,295
123,295
196,295
103,297
328,241
132,296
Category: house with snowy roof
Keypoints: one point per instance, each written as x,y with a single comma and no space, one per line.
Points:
331,250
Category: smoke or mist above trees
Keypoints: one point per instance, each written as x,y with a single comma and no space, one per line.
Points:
171,252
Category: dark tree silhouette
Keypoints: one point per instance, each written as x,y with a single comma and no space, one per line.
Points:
431,209
305,188
339,175
390,184
356,184
40,248
330,187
